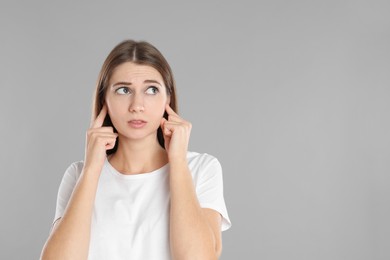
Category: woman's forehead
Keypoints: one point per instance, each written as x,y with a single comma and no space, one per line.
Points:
129,71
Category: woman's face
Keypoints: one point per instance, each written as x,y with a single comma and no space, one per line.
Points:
136,97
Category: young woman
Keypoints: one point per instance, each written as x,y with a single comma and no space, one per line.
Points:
138,193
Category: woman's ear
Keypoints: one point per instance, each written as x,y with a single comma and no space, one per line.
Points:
168,100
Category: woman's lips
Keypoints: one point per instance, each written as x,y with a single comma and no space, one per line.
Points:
137,123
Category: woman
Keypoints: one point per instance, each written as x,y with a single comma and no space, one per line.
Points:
138,193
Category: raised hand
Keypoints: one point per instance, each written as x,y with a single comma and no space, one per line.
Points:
99,138
176,133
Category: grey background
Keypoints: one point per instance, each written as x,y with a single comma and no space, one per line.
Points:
291,96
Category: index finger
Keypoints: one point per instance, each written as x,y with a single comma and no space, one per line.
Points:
100,118
170,111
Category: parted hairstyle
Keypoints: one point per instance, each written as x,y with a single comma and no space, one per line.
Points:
141,53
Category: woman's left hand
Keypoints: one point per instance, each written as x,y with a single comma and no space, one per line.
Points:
176,133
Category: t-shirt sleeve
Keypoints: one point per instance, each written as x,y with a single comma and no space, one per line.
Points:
65,190
209,190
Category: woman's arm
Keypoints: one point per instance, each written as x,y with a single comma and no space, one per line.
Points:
69,238
70,235
194,232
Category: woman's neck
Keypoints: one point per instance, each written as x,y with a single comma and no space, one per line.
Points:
135,157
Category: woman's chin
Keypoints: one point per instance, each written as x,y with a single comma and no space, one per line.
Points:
136,137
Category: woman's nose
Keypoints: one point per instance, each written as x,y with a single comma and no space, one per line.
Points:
137,104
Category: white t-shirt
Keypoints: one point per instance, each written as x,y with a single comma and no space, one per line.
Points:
131,212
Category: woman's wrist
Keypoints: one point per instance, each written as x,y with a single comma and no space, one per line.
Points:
178,163
91,171
178,158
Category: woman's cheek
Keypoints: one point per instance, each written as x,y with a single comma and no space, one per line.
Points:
112,112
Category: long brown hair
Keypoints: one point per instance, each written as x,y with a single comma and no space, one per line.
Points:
138,52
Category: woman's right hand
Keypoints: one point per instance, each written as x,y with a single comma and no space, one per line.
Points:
99,138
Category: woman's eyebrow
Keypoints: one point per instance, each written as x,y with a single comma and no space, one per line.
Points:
152,81
129,83
121,83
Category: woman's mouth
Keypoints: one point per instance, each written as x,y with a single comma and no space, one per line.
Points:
137,123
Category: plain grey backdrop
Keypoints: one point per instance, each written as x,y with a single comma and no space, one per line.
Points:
291,96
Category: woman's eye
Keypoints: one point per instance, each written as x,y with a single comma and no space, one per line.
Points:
152,91
122,91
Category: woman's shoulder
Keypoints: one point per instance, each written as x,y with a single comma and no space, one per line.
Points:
75,168
191,155
201,159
